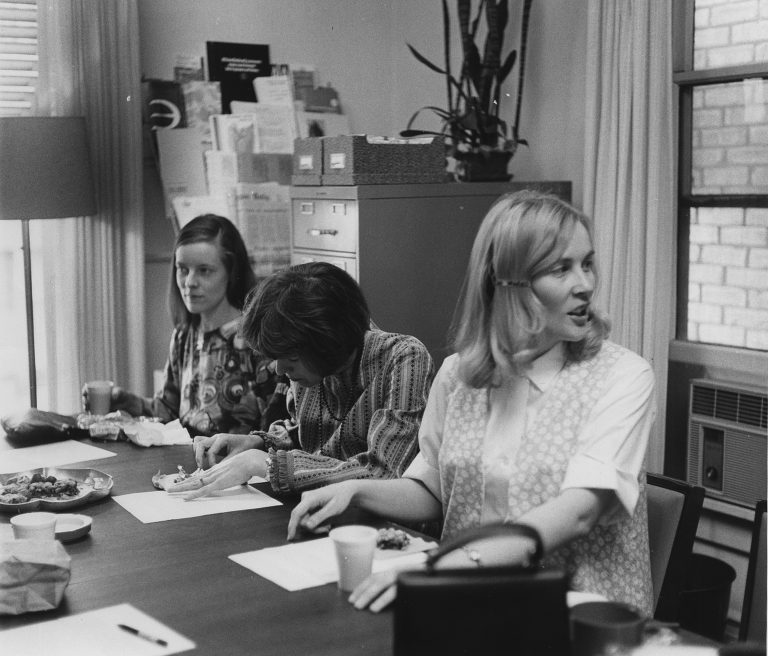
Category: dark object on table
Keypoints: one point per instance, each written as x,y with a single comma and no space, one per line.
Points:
481,610
35,426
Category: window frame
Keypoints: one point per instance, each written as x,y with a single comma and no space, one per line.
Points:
687,79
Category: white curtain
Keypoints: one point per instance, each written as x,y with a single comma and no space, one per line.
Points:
94,266
629,178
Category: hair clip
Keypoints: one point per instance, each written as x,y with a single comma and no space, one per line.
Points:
500,282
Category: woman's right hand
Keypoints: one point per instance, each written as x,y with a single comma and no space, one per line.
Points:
212,450
318,506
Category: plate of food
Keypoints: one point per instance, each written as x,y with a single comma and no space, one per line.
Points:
52,489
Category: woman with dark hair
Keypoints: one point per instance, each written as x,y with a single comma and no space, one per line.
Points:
213,381
356,398
537,419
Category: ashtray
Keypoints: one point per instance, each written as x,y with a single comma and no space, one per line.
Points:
71,527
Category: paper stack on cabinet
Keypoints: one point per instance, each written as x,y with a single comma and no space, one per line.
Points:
263,216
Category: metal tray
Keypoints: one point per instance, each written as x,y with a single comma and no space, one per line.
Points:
92,483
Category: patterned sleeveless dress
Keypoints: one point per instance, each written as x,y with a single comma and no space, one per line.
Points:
612,560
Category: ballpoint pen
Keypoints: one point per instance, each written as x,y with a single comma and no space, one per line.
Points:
141,634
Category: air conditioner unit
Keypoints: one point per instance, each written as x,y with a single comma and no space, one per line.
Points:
727,435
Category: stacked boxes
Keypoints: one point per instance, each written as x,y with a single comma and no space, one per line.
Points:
361,159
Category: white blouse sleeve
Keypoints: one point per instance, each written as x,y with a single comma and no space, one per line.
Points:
614,440
424,466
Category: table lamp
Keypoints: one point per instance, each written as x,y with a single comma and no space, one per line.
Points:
45,173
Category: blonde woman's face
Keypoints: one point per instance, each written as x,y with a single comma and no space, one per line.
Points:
565,290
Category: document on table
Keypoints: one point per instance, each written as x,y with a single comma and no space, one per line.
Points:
160,506
300,565
95,632
49,455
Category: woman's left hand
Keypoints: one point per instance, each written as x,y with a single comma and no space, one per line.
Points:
376,592
235,470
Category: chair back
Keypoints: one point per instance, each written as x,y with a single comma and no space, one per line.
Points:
674,508
753,610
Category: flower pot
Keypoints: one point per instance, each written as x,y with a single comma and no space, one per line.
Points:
483,167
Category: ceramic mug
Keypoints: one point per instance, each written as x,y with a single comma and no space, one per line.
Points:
598,626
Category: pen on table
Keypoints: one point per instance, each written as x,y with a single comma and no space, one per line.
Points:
141,634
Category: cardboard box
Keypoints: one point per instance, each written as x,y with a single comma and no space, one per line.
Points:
362,159
307,161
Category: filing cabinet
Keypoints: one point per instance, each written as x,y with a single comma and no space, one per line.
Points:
407,245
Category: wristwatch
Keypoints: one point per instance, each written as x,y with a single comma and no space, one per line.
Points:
473,555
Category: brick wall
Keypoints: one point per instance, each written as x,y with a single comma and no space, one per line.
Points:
728,275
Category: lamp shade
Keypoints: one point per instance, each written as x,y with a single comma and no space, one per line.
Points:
45,170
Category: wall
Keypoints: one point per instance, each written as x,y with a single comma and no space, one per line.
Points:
360,48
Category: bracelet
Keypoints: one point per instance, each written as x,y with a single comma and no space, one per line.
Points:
473,555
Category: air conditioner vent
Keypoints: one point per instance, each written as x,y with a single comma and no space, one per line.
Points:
753,410
726,405
703,402
729,404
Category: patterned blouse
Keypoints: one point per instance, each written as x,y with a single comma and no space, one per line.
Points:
214,383
361,423
578,438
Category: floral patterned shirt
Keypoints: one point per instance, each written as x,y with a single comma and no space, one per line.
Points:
214,383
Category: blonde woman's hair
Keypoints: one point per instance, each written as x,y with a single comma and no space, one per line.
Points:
498,327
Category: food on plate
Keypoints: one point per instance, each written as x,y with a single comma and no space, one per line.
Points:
21,489
392,538
163,481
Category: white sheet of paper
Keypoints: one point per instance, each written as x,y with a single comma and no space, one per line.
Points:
94,633
55,454
300,565
160,506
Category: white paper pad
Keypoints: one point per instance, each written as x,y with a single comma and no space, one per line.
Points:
160,506
94,633
300,565
49,455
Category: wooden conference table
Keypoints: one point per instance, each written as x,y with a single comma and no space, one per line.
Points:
179,573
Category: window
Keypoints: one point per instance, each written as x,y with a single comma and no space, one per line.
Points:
18,77
722,74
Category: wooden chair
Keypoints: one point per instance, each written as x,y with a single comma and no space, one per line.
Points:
674,508
753,610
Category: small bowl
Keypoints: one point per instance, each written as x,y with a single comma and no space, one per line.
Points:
72,527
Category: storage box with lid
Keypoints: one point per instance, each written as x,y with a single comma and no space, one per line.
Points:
364,159
307,161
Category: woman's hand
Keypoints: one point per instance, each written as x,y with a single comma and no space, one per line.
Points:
376,592
317,506
235,470
212,450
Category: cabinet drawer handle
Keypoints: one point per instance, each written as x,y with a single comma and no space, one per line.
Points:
316,232
307,208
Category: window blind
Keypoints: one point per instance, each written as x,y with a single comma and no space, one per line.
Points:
18,57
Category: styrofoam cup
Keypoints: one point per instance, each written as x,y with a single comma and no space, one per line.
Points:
355,546
99,396
34,526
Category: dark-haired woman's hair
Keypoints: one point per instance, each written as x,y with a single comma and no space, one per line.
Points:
213,229
313,311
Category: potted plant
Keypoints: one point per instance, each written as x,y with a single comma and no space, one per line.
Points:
477,137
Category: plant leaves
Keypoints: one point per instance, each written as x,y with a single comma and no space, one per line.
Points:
425,61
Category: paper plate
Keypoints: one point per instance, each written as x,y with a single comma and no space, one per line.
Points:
71,527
